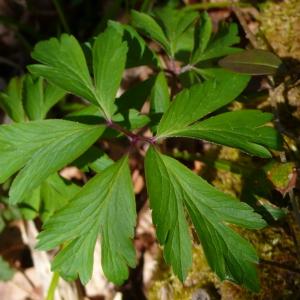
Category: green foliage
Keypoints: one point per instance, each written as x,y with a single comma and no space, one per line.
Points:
53,194
38,98
148,25
6,272
203,33
138,52
174,23
160,98
172,187
196,102
240,129
29,97
41,148
64,64
74,217
109,55
105,206
11,100
208,46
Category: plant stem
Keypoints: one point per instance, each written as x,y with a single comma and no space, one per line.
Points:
186,68
133,138
61,15
52,287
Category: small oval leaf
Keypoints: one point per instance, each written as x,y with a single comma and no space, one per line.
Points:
252,62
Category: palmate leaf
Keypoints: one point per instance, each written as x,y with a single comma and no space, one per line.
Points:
207,47
174,22
239,129
201,99
172,187
109,57
63,63
104,206
40,148
30,95
11,99
202,35
159,97
138,51
39,98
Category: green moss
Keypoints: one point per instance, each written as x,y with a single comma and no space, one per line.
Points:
277,250
281,26
165,285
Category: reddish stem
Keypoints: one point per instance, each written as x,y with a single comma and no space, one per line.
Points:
133,138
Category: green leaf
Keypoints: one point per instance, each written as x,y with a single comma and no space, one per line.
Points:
252,62
239,129
101,163
131,119
11,100
40,98
105,206
168,215
2,223
52,94
175,23
76,258
6,272
30,205
109,57
42,148
50,196
160,98
202,36
148,25
138,51
201,99
219,45
185,45
172,187
94,159
33,100
64,64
